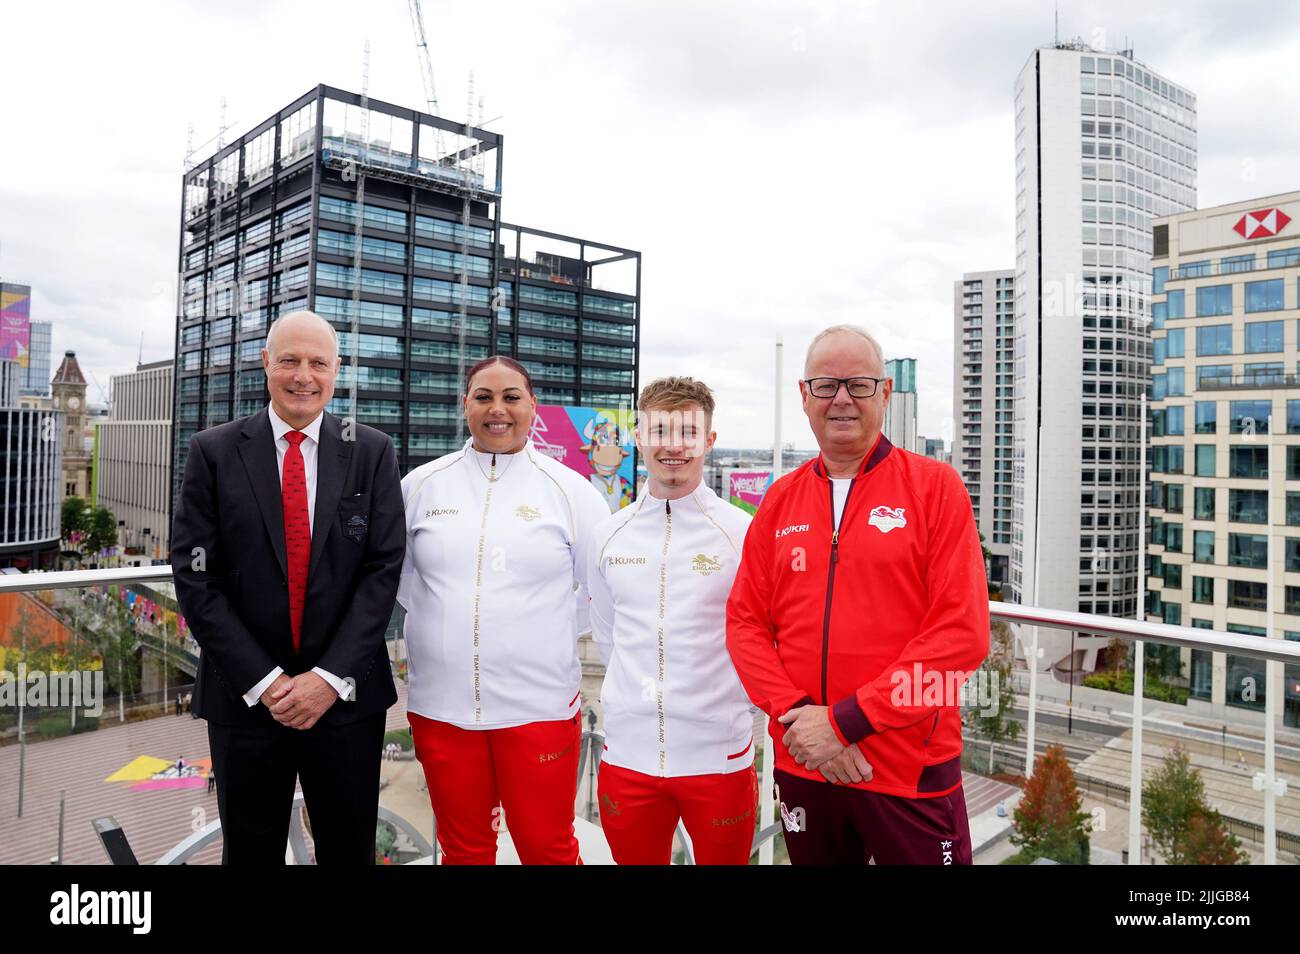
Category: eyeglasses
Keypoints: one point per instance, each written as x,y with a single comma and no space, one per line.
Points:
829,387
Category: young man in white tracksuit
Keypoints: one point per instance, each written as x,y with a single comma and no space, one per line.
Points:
678,725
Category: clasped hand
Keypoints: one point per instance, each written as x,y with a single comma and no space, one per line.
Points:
813,744
299,701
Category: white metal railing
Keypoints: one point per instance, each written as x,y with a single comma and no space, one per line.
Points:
1211,640
1273,651
73,579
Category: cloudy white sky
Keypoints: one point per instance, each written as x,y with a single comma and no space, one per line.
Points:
781,165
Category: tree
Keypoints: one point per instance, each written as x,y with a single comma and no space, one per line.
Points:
101,531
996,724
29,646
1049,821
116,641
1183,827
1117,654
73,517
1207,842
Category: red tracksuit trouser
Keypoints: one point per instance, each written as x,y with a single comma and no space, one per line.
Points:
639,814
482,781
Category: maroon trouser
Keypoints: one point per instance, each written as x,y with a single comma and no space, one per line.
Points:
829,824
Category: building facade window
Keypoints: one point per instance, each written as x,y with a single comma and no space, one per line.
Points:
1249,417
1248,549
1205,460
1175,304
1249,462
1206,417
1213,340
1247,506
1265,296
1204,503
1263,336
1213,300
1203,589
1247,594
1203,546
1210,375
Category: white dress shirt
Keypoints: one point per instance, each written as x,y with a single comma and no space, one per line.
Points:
279,427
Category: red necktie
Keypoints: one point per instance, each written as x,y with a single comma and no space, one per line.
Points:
297,530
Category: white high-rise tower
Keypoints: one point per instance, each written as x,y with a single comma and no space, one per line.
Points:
1103,146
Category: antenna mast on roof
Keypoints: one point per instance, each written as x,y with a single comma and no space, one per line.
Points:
359,167
468,157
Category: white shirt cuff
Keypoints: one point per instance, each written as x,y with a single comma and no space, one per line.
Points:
343,688
254,695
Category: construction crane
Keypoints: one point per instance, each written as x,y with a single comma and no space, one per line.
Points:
422,54
103,395
469,156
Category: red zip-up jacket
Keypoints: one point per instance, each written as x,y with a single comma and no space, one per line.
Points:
881,620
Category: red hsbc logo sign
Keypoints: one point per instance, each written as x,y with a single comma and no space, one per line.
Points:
1261,223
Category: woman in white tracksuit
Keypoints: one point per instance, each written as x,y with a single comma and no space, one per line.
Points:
678,725
494,612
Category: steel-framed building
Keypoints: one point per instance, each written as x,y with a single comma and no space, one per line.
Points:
269,225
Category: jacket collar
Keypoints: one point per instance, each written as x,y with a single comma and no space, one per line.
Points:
879,451
528,447
702,495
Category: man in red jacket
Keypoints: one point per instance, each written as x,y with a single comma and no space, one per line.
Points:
860,608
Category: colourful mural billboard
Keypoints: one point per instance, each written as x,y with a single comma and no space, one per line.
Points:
597,442
747,487
15,322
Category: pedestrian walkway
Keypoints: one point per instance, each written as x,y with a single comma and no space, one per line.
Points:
155,814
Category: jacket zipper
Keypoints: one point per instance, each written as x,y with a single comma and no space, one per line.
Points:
830,579
663,606
478,593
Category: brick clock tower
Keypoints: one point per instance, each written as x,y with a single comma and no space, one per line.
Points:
68,390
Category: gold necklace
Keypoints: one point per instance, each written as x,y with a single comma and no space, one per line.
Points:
494,476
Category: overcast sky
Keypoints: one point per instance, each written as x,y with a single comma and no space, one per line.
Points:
782,166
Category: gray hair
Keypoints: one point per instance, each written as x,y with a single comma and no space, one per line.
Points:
270,335
845,329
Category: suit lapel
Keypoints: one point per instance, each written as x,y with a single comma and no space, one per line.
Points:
257,451
332,460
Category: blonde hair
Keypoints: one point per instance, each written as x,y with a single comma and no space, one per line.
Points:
675,392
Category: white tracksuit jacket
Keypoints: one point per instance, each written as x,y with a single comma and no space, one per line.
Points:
659,573
488,584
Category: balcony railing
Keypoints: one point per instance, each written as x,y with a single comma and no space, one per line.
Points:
1212,269
1247,382
1096,771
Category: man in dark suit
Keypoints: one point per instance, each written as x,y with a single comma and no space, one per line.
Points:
287,546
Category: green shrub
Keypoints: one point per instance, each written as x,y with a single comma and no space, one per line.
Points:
54,726
1123,682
